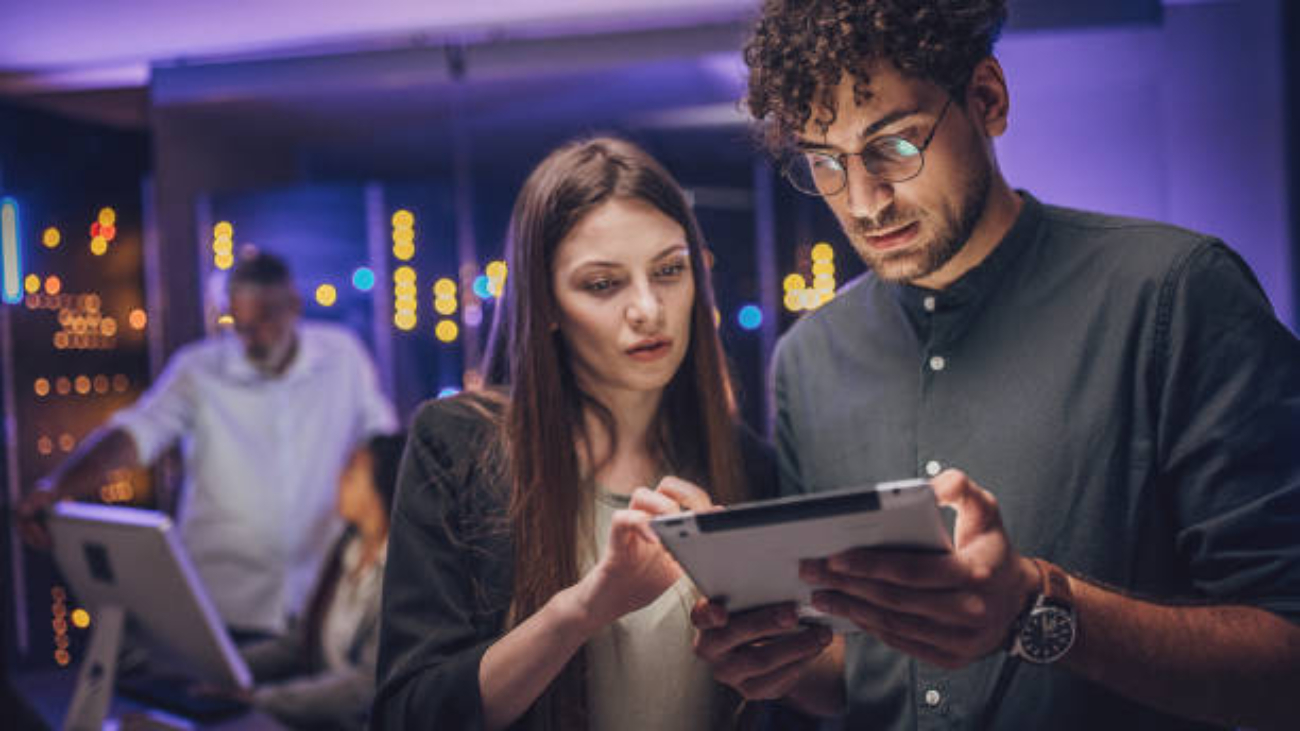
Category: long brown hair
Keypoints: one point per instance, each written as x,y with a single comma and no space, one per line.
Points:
694,430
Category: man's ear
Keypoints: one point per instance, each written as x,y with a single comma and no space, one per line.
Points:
987,99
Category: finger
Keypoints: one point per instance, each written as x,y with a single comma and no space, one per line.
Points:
706,615
779,671
746,627
977,508
878,620
686,494
906,568
628,522
963,608
649,501
779,682
920,650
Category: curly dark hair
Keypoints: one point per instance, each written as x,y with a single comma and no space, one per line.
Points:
800,49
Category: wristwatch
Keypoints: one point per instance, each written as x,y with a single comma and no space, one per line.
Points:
1047,629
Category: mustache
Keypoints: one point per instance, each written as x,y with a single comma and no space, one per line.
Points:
891,217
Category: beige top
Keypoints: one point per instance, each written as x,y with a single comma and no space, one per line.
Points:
641,670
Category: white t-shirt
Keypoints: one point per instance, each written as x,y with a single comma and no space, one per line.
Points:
642,671
262,460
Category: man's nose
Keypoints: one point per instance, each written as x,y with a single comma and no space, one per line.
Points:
867,194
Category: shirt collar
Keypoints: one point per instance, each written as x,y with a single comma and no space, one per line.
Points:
237,366
973,286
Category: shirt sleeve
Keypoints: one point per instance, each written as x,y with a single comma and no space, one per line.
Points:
376,412
1228,434
165,412
430,644
787,451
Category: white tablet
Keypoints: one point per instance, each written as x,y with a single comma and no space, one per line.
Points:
748,555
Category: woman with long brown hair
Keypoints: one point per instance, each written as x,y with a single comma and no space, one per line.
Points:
524,587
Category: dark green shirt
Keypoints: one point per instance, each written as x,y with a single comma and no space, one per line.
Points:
1121,386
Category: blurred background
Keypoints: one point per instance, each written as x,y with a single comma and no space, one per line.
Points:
378,147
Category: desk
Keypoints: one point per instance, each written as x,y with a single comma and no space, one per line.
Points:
50,692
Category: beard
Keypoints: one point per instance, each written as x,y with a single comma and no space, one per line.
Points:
951,231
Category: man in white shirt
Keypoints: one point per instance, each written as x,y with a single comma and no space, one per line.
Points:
266,419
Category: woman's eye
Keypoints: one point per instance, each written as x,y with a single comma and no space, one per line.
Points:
599,285
671,270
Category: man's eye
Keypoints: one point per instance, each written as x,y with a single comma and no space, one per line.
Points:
893,148
819,161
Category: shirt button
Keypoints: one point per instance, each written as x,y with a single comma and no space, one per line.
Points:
933,468
928,303
937,363
932,697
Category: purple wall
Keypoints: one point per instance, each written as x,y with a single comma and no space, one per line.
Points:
1182,122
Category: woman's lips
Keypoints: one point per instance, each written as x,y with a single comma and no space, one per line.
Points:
893,238
650,351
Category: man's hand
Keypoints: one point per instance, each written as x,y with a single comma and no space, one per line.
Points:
763,653
947,610
31,513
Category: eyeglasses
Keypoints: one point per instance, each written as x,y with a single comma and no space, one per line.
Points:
891,159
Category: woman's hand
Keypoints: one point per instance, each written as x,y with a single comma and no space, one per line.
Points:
636,569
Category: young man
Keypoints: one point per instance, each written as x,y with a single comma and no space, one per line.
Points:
1118,396
267,419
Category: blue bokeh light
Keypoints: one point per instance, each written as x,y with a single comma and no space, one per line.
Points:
483,287
750,317
448,391
363,279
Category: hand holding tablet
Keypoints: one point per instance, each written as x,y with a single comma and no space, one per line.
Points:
748,555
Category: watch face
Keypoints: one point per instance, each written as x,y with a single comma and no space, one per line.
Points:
1047,634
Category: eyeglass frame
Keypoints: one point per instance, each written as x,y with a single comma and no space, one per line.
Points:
842,158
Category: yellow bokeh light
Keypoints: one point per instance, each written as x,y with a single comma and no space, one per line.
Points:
108,327
404,320
223,230
226,320
403,219
823,252
495,270
51,237
446,331
794,282
67,442
791,301
403,252
98,246
445,306
42,386
101,384
403,274
45,446
444,288
404,236
823,268
107,217
92,303
32,283
138,319
53,285
82,384
404,291
80,618
326,295
63,386
223,261
62,657
223,246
